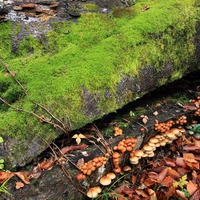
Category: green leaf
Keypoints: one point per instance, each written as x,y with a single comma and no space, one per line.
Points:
1,140
1,166
1,161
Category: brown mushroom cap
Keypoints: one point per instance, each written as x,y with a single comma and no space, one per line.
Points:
153,140
98,189
146,147
127,168
163,142
93,192
151,154
134,160
139,153
170,135
105,180
116,155
111,175
178,132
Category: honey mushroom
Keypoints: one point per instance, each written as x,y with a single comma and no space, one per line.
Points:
105,180
93,192
90,166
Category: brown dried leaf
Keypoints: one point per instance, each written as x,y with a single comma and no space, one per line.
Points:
180,162
181,194
170,192
133,179
189,157
191,187
170,162
141,193
47,164
162,174
167,182
173,173
196,195
5,175
19,185
23,176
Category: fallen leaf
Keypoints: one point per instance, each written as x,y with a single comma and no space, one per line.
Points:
191,187
180,162
167,182
65,150
141,193
23,177
181,194
5,175
19,185
170,162
173,173
162,174
189,157
133,179
47,164
78,137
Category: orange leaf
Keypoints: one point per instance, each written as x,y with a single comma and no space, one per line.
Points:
163,174
47,164
173,173
189,157
133,179
170,162
141,193
191,187
23,177
180,162
167,182
170,192
181,194
4,176
18,185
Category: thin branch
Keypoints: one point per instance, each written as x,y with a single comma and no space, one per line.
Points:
42,118
63,125
11,73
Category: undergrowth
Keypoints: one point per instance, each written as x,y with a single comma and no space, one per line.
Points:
75,61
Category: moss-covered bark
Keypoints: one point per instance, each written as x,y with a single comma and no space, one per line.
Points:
82,71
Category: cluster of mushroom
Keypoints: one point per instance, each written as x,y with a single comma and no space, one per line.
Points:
124,145
164,126
197,112
90,166
105,180
182,120
117,131
159,140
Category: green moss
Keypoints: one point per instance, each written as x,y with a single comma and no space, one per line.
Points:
90,6
95,54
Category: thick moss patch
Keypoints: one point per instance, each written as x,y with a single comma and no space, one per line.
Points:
76,64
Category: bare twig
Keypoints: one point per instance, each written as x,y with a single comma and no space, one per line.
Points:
11,73
102,140
42,118
63,125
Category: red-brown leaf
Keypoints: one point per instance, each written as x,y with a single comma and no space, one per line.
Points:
141,193
4,176
170,162
196,195
65,150
163,174
189,157
181,194
167,182
180,162
173,173
190,147
170,192
191,187
47,164
23,177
